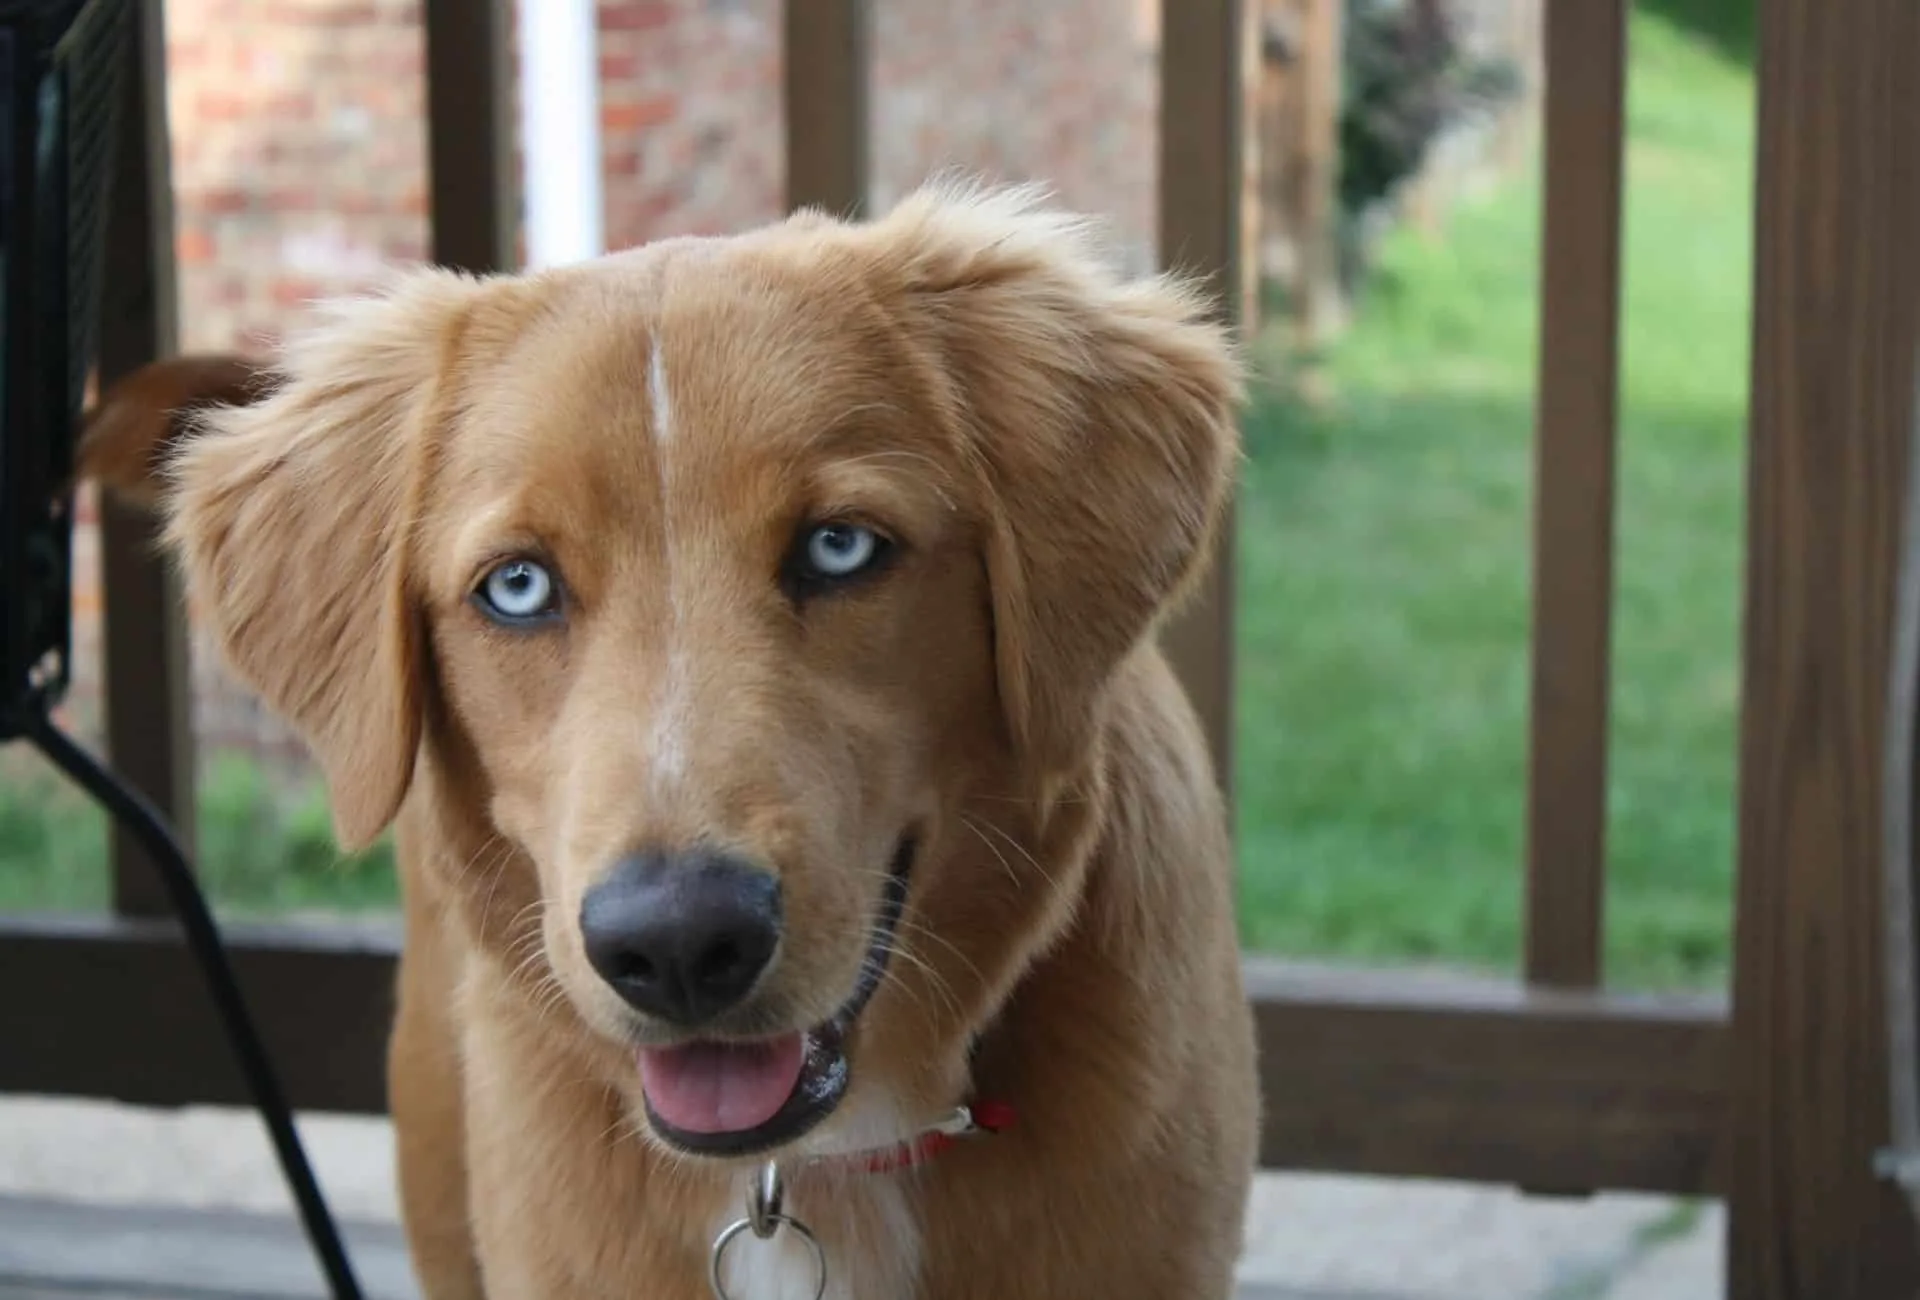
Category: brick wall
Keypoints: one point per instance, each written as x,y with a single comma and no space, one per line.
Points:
299,156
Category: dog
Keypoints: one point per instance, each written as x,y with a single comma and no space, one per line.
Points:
751,644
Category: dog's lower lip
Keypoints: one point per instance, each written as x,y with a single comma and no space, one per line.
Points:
823,1073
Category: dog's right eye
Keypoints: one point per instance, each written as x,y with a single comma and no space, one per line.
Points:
517,593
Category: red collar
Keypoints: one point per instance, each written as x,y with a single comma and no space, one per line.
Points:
965,1121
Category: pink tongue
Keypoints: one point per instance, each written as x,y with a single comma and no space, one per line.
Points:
722,1087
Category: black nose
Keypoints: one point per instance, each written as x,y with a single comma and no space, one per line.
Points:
682,936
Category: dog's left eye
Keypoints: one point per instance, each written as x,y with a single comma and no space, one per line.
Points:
518,592
840,550
828,554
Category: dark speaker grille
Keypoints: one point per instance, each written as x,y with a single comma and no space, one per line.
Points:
63,84
92,61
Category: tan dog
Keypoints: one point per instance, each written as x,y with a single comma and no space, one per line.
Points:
753,639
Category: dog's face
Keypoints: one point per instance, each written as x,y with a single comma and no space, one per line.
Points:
704,604
754,600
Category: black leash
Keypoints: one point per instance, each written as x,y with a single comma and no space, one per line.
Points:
132,810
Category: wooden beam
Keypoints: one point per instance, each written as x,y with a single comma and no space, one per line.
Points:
471,156
130,1019
1836,326
149,711
1574,444
1316,192
827,73
1431,1077
1204,53
1362,1073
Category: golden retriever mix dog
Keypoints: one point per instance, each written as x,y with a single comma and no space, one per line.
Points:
752,642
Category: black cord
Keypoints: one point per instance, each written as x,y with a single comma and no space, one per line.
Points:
133,811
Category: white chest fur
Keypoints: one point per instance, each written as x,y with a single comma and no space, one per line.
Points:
867,1229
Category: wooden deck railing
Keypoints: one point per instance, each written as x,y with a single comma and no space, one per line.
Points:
1586,59
1553,1083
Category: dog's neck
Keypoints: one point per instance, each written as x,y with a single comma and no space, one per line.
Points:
870,1233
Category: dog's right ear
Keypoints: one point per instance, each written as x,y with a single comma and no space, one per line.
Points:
292,519
136,424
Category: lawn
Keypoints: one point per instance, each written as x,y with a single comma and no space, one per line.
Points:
262,848
1384,588
1384,598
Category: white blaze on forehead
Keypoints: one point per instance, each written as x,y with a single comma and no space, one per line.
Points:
657,395
666,744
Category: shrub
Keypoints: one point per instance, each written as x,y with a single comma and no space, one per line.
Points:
1406,80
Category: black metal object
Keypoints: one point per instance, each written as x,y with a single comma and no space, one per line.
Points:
62,80
203,938
61,69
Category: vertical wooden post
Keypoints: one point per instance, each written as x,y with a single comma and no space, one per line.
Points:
827,70
1202,106
1574,441
1269,123
1316,192
1837,322
470,134
149,710
1252,151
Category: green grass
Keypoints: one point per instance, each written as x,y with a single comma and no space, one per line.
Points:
1384,597
1384,584
260,850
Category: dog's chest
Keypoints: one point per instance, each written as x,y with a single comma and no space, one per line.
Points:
868,1231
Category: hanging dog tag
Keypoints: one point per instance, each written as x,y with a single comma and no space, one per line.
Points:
765,1220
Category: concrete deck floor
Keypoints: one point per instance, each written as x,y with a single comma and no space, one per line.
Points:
119,1204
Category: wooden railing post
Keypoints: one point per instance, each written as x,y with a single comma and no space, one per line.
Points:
827,69
1305,136
1574,442
149,712
470,134
1836,327
1205,52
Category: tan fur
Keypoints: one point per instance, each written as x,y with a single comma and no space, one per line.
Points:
1052,448
140,415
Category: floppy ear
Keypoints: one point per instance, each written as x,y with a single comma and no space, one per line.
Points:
291,520
134,426
1103,416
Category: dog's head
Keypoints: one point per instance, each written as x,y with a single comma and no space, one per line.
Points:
746,608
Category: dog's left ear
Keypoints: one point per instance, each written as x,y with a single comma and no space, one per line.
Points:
1103,415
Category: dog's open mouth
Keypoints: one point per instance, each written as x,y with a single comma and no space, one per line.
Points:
725,1098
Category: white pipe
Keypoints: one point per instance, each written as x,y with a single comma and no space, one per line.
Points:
560,130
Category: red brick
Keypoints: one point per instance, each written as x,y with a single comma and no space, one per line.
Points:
617,67
222,106
340,13
224,200
194,246
635,15
293,103
640,115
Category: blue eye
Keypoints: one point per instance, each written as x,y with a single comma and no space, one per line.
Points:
519,591
825,556
839,551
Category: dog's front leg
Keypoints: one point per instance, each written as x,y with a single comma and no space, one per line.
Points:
424,1091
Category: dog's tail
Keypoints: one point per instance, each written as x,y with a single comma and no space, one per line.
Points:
126,436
